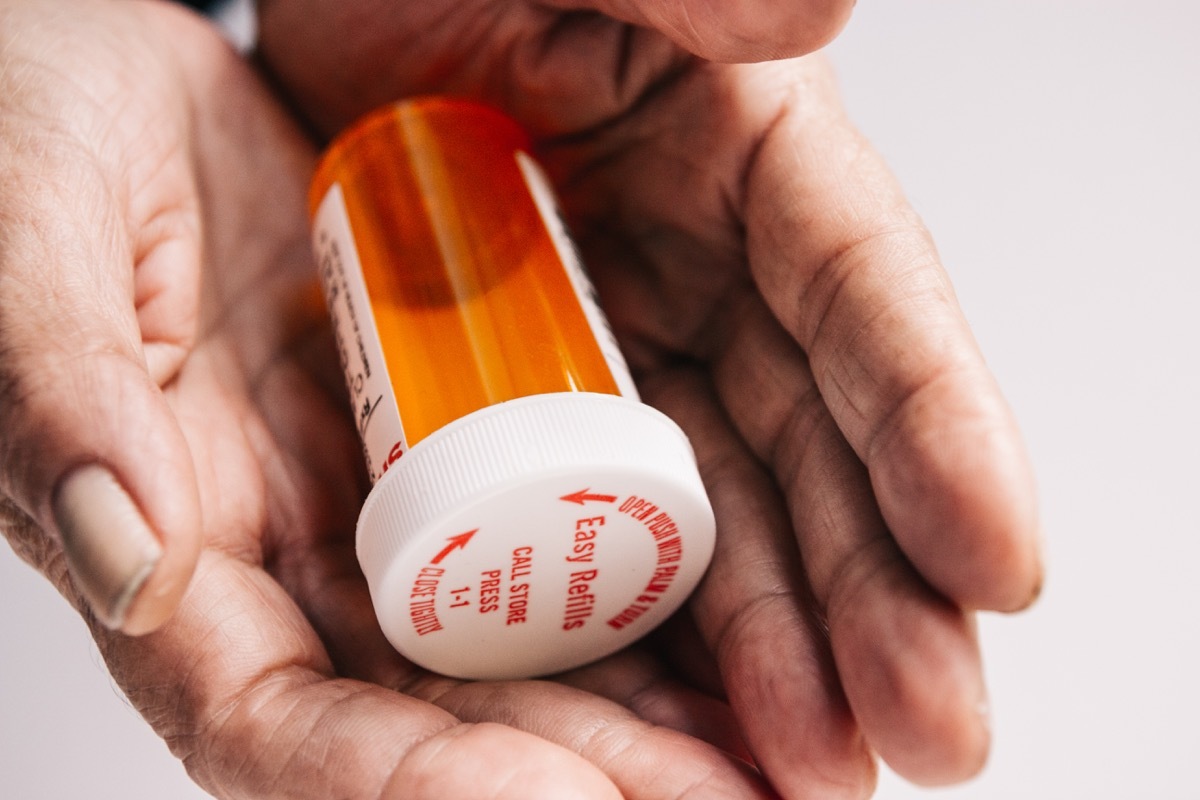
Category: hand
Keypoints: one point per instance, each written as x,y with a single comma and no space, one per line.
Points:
170,401
775,294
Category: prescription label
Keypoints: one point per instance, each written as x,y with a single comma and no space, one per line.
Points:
376,414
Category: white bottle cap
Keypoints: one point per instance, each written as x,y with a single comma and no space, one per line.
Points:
535,535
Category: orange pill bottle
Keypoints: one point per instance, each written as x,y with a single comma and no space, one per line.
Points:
528,513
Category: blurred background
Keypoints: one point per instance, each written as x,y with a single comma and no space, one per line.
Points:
1053,147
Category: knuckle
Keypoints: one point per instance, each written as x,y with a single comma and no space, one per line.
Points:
766,29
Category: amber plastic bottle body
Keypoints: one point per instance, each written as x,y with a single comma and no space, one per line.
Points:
465,278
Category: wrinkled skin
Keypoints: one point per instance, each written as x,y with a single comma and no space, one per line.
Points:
773,293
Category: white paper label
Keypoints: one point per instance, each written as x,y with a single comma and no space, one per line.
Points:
360,352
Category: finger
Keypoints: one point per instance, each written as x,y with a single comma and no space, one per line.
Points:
756,31
755,612
240,687
90,449
907,658
645,761
848,269
640,682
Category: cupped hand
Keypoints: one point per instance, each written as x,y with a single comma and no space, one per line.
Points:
170,404
776,294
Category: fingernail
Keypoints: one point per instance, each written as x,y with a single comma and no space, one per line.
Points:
110,549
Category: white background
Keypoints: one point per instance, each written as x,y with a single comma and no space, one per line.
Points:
1052,148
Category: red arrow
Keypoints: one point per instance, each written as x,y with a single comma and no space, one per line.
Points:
454,543
583,494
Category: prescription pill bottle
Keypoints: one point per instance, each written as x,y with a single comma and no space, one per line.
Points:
528,513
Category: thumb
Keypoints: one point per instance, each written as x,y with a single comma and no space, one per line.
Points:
90,451
757,30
